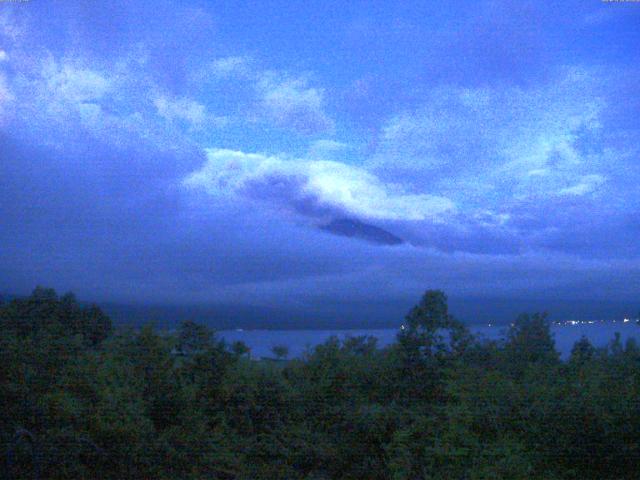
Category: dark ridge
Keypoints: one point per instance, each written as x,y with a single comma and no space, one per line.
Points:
350,227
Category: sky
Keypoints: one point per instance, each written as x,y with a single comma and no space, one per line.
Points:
159,152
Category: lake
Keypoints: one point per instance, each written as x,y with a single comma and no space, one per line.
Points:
261,341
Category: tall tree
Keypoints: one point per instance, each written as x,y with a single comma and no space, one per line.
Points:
529,340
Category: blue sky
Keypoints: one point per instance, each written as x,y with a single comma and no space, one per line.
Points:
171,153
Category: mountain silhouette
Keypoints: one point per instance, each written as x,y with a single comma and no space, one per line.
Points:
351,227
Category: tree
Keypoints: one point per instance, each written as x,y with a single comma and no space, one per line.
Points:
360,345
529,340
193,338
429,341
240,348
582,351
280,351
44,313
441,405
430,330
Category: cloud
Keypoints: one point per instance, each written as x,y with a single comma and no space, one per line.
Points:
292,103
10,27
525,166
57,96
223,69
272,98
312,188
5,98
66,86
326,148
587,184
513,174
497,145
230,67
63,95
183,109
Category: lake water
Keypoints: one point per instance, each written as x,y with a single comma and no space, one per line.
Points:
261,341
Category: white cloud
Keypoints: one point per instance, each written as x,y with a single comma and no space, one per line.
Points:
5,97
57,98
312,188
233,68
538,172
491,146
328,145
587,184
229,67
64,89
180,109
3,56
70,84
276,98
488,218
292,103
326,149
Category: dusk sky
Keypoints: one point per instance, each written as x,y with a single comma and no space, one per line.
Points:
195,152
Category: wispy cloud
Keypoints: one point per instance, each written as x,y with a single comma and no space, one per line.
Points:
286,100
69,87
5,98
507,143
587,184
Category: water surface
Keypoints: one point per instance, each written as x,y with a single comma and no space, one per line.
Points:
261,341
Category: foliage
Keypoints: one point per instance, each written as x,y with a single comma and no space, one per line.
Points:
280,351
80,400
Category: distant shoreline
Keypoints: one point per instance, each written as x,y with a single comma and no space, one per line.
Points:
351,328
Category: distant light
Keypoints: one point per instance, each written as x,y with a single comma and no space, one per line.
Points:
625,320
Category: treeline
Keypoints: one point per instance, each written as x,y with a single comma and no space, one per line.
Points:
80,400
